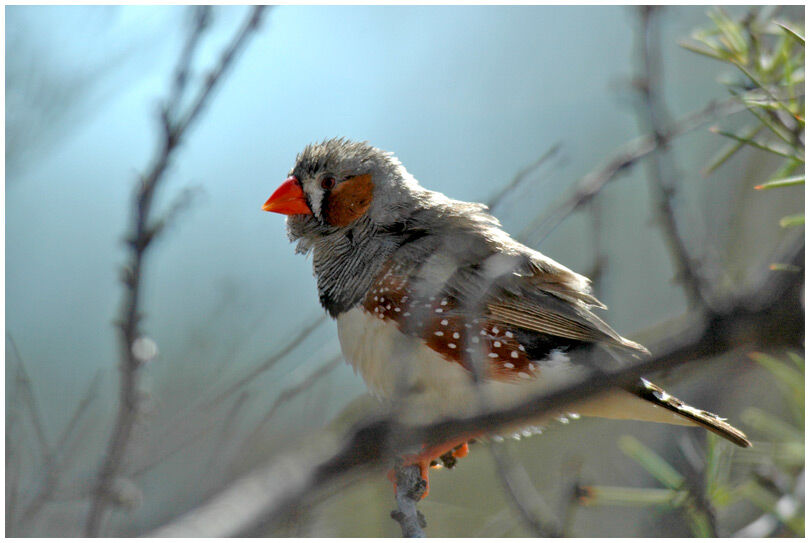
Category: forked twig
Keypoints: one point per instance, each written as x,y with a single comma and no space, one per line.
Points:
142,232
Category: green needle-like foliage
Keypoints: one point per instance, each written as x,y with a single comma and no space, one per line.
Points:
768,58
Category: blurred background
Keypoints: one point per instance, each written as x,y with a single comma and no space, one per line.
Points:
466,97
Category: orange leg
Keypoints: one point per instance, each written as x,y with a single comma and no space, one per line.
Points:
458,448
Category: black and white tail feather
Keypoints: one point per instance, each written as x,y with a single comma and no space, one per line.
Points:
658,396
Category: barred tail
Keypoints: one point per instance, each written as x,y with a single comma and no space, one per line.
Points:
658,396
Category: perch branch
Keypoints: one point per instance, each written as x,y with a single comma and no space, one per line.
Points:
142,232
410,487
770,315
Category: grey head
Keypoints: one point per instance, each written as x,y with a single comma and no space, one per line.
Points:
349,186
356,196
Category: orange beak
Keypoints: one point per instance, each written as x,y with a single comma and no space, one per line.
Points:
288,199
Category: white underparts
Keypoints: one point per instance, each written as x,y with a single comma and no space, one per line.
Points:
395,366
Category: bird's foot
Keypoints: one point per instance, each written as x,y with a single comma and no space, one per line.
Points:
438,456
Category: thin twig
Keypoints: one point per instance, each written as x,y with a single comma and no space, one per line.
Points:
627,156
13,457
284,397
58,462
291,392
213,79
24,381
519,489
200,19
521,176
600,259
271,361
228,427
143,230
689,271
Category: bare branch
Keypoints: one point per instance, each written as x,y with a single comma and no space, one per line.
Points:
289,393
689,270
410,488
225,62
521,176
141,235
627,156
200,20
519,489
24,382
229,424
271,361
600,259
57,462
89,395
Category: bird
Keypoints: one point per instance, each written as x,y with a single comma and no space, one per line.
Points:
441,310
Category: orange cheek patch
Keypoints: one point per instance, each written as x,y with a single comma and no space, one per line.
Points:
349,200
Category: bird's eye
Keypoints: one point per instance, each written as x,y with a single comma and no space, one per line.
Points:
328,183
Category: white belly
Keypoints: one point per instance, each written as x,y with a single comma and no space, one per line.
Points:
396,366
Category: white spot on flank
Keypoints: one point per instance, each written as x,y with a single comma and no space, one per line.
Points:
439,310
451,345
483,332
444,322
509,365
523,375
377,309
514,354
521,348
497,344
388,306
495,330
376,298
509,334
493,355
531,367
456,335
397,309
439,333
444,302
